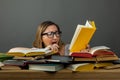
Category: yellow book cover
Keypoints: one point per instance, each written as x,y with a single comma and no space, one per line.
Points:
107,57
82,36
84,59
81,67
103,64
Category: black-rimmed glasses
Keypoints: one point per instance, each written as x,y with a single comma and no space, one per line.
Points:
51,34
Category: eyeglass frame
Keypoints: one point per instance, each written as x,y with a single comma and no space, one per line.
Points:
51,34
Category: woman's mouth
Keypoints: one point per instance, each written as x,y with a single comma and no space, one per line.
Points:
54,42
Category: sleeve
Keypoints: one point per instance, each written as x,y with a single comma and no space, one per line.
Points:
67,49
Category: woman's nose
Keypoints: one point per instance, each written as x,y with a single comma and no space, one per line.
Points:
54,36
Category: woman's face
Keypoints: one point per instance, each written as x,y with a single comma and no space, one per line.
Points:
51,35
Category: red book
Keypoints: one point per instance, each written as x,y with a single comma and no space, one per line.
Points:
81,54
95,51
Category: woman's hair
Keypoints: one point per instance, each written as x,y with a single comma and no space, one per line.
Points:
41,28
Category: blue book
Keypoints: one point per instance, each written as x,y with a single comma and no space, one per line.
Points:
50,67
63,59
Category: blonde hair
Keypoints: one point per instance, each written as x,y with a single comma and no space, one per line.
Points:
37,43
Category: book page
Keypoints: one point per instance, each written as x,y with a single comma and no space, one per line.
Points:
88,24
93,49
30,50
77,31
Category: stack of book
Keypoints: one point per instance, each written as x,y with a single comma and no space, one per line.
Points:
96,54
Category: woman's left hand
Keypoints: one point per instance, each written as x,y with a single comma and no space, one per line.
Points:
87,49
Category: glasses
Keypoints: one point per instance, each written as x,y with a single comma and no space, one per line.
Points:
51,34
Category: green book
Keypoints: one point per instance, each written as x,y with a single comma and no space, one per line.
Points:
3,57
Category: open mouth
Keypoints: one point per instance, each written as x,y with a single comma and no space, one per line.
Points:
54,42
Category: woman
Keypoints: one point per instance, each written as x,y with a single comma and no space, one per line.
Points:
48,35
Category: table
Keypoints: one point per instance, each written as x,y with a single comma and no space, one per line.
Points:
60,75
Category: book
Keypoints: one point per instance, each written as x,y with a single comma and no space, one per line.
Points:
82,36
88,66
30,52
23,58
80,59
102,65
29,57
117,61
4,56
81,67
94,51
1,64
10,67
13,62
50,67
23,62
62,59
115,66
96,59
107,58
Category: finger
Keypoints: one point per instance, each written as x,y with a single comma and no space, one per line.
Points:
56,45
55,50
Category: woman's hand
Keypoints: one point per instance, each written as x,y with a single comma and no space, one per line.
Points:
87,49
54,48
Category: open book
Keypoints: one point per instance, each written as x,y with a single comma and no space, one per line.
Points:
88,66
82,36
94,51
81,67
30,52
97,53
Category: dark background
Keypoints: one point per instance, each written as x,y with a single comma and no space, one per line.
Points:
19,20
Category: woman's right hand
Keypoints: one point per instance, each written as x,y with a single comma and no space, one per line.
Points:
54,48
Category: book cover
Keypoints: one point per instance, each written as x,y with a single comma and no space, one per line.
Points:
63,59
103,64
81,67
117,61
96,59
80,59
115,66
10,67
3,57
107,58
50,67
13,62
23,62
88,66
82,36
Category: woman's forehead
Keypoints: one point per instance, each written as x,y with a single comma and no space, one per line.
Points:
51,28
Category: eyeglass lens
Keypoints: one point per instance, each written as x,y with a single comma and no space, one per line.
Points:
51,34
